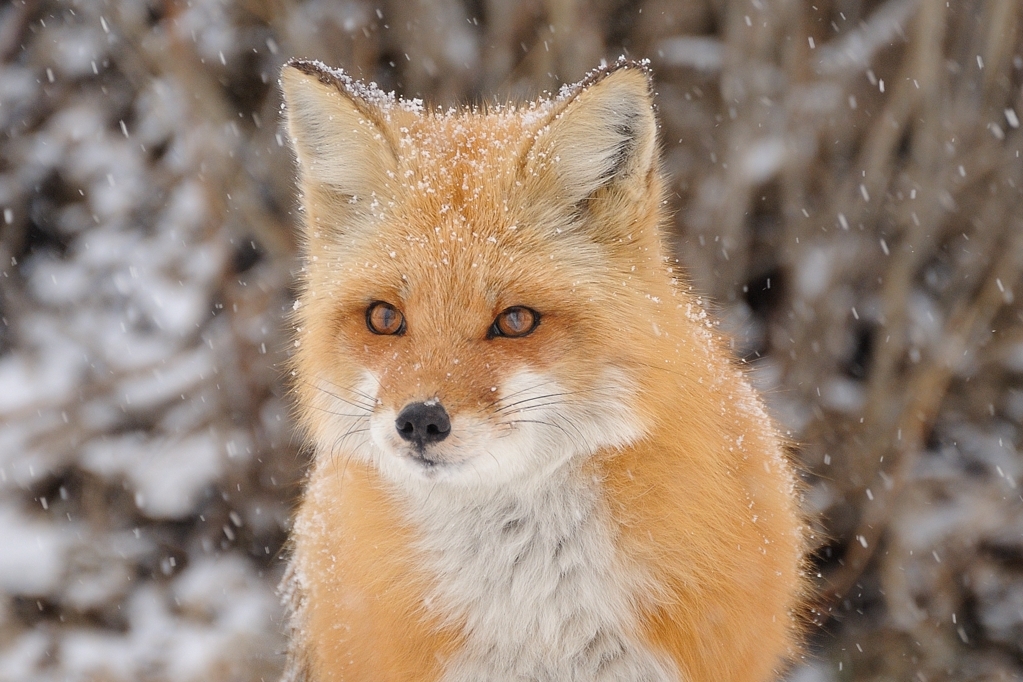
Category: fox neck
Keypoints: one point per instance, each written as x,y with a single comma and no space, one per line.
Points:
534,575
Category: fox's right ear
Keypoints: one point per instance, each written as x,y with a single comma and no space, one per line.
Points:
340,139
601,134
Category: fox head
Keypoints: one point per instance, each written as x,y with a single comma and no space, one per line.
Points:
480,287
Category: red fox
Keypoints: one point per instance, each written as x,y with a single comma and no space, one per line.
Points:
534,458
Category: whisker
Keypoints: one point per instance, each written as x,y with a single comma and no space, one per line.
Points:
532,398
429,494
553,425
369,400
357,405
528,388
593,389
352,430
337,414
339,444
493,457
527,408
335,449
351,454
357,392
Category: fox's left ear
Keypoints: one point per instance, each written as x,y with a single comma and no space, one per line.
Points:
601,134
341,139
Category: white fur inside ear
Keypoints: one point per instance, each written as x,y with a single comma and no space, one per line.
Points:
336,142
604,134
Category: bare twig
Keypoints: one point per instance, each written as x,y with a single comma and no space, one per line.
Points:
965,329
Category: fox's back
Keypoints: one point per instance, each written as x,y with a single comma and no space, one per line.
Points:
535,459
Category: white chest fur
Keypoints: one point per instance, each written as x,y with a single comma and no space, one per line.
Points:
534,576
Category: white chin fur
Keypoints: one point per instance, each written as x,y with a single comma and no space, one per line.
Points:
521,545
538,427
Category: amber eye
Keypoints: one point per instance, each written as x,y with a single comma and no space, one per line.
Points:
514,322
384,318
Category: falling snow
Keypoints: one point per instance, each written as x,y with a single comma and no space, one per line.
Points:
869,278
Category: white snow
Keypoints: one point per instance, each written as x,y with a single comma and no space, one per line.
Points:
696,52
814,273
166,474
33,554
22,656
763,159
47,379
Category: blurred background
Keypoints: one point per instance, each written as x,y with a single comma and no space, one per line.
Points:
845,180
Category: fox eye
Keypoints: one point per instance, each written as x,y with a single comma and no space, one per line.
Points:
515,322
384,318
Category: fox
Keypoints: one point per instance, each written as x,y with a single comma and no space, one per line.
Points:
534,457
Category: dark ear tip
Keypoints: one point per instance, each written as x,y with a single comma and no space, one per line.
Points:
623,63
318,70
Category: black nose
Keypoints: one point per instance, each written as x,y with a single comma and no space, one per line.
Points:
423,423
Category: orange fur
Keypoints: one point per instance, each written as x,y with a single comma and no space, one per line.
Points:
452,215
364,598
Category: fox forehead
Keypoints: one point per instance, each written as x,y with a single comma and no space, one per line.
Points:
455,272
458,219
458,179
463,140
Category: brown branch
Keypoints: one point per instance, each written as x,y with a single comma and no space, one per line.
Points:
965,330
12,27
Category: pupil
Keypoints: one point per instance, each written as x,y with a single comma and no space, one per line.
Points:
384,319
515,322
518,321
